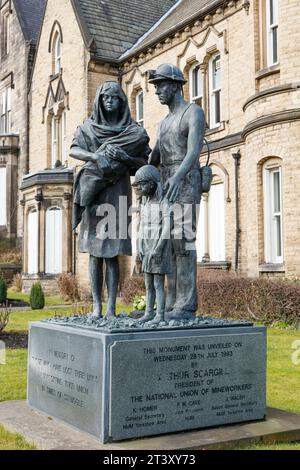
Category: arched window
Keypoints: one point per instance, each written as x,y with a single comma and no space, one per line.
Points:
3,219
211,224
32,242
139,108
196,85
53,249
215,90
273,223
57,54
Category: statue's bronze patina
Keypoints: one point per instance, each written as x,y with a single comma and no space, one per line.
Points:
177,150
112,145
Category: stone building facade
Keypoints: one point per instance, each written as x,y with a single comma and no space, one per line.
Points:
240,67
18,34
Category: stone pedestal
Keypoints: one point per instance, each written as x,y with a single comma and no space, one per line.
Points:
121,385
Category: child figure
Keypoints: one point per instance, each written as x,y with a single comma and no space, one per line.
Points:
154,245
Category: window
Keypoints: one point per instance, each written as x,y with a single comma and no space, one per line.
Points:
272,31
215,90
32,242
273,215
196,85
53,141
5,33
139,104
63,137
3,219
211,225
57,54
5,110
53,264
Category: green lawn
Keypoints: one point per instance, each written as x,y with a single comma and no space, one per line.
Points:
12,441
283,384
49,300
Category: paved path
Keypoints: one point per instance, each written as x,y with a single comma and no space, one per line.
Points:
50,434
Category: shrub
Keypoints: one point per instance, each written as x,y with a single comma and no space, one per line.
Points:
3,289
68,287
4,317
37,298
9,253
254,299
132,287
139,302
17,283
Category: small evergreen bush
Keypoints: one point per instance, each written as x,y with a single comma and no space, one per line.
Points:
37,298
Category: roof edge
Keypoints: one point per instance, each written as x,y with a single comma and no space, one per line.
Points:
160,20
20,19
88,39
200,13
37,44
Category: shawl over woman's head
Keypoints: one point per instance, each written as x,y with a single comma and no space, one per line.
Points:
96,130
99,114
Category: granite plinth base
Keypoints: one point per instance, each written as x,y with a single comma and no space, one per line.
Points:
124,385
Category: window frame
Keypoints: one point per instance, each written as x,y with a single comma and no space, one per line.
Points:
270,216
5,33
213,92
196,98
3,192
205,226
5,111
63,136
54,153
138,109
57,53
54,266
271,27
32,245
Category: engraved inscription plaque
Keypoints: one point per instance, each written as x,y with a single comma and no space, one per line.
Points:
172,384
65,376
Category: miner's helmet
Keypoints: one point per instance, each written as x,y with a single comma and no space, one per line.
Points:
146,173
166,72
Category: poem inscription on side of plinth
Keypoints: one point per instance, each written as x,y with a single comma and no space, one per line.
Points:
65,376
167,385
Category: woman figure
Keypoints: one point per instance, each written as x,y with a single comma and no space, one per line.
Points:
113,146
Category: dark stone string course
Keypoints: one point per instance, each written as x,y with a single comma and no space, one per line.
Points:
123,323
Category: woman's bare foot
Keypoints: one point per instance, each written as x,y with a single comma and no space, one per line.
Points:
158,318
147,317
110,311
97,312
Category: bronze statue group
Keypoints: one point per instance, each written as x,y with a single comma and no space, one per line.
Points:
115,147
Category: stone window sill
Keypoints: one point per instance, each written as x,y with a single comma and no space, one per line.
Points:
267,71
213,130
225,265
271,268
